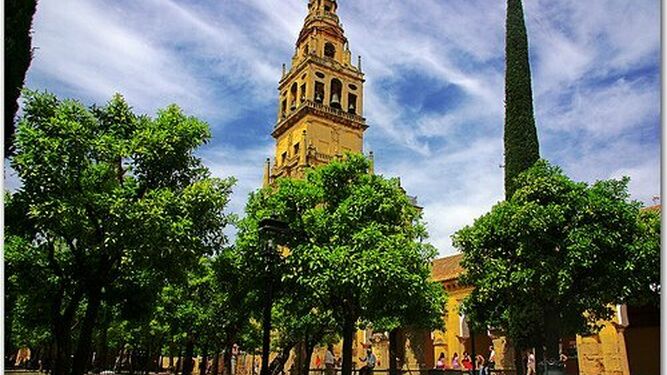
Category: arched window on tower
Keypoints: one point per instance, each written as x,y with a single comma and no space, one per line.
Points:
329,50
302,95
329,6
319,92
336,90
293,92
352,104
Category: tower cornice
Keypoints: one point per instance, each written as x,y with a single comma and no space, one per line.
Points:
310,107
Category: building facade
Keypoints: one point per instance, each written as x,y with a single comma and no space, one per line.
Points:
629,344
320,105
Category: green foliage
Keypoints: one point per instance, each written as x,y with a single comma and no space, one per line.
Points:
356,250
28,291
644,287
115,204
556,251
365,239
18,54
522,148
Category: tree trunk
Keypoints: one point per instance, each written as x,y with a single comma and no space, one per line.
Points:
179,360
189,352
61,364
552,334
308,355
102,359
227,361
133,360
299,358
172,345
277,365
518,361
204,362
148,361
82,356
216,363
9,348
266,329
48,360
348,337
393,352
61,326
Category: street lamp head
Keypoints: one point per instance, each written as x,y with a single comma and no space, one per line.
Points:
272,226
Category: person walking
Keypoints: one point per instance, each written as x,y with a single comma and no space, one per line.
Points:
466,361
370,362
440,364
530,365
491,363
455,362
329,361
480,364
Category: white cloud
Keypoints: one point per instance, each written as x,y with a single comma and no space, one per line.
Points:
606,111
245,164
87,51
595,77
454,185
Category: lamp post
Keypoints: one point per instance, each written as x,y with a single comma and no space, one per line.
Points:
269,228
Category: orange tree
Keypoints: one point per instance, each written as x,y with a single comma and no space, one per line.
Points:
354,239
106,194
551,261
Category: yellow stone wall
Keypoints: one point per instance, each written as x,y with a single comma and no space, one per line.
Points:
450,341
603,353
326,138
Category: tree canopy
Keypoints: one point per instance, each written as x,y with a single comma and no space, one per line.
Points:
18,54
522,148
353,238
553,259
108,196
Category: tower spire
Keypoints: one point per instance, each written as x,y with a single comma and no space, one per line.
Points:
320,107
317,6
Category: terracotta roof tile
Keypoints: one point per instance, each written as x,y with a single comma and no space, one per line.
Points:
448,268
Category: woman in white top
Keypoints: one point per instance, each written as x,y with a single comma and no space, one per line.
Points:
531,363
329,361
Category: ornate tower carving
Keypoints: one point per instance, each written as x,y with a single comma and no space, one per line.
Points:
320,107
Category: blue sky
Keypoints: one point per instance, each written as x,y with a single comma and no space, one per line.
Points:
434,91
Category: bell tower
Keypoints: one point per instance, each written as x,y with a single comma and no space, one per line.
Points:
320,106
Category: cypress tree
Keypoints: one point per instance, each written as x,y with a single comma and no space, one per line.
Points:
18,53
522,149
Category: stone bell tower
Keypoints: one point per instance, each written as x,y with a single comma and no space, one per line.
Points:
320,106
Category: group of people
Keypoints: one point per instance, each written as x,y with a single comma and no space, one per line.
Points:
465,363
484,366
330,362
